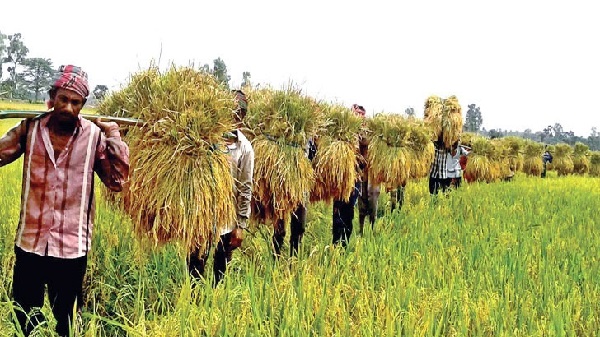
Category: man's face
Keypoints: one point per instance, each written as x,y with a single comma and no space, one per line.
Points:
67,104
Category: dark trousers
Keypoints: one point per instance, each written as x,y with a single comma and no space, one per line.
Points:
367,204
64,278
297,226
343,214
437,184
397,198
223,252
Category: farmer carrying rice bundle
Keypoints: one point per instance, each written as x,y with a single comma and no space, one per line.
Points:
62,152
284,124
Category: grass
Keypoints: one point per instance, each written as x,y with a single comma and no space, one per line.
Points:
503,259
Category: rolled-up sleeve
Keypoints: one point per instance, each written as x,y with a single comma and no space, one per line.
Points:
112,160
11,144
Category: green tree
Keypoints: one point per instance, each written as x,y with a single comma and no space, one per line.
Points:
100,91
37,74
473,119
15,54
2,52
220,71
246,79
410,112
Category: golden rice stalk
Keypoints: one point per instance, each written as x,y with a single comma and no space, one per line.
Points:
581,160
336,161
180,186
335,167
284,178
433,114
562,160
422,149
452,121
388,165
595,164
532,161
478,168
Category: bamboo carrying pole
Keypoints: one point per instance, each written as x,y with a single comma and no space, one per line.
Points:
33,114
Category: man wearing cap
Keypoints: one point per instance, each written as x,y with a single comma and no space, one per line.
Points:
61,153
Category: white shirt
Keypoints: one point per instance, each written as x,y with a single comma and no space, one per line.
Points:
453,163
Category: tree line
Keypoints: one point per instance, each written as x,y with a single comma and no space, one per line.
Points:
27,78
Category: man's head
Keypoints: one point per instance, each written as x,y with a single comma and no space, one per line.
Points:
68,94
359,110
242,106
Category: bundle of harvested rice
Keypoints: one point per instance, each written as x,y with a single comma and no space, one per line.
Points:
500,159
421,148
282,122
562,160
336,162
480,166
180,187
532,158
514,147
595,164
581,160
389,153
445,118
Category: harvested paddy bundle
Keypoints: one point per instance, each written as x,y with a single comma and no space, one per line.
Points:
581,160
421,148
445,118
180,187
595,164
282,121
389,153
336,161
562,161
532,158
481,167
499,159
514,152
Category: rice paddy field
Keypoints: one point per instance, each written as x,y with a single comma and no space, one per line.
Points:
517,258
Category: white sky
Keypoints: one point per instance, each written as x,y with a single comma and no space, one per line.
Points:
526,63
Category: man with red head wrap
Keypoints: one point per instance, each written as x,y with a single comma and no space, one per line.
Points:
61,153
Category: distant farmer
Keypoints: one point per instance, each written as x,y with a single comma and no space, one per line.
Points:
62,151
438,173
297,219
343,211
546,158
369,194
397,197
453,165
241,157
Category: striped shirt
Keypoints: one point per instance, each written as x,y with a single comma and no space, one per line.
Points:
438,166
57,200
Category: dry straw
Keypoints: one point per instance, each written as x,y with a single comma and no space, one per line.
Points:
282,122
180,186
581,160
337,158
562,159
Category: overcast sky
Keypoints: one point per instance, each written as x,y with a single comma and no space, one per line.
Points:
527,64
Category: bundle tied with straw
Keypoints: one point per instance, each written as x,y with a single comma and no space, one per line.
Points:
514,152
445,118
282,122
562,160
581,160
532,158
180,187
480,167
336,162
421,148
389,153
595,164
